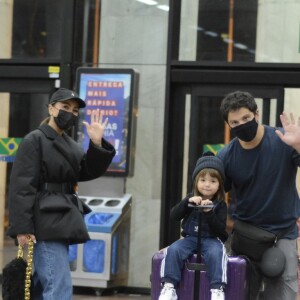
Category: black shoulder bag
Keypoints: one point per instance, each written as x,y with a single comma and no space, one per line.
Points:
253,241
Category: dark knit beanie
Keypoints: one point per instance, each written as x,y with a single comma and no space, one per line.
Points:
209,160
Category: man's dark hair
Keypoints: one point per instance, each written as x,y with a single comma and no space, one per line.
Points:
235,101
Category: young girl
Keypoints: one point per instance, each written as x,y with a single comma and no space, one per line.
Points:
208,178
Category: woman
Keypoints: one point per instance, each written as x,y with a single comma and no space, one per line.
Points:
43,203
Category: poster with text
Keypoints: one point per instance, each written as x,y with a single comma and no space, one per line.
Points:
110,94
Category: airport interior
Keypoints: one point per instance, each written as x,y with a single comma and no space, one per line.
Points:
167,64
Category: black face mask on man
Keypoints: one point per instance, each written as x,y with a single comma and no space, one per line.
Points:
246,132
65,119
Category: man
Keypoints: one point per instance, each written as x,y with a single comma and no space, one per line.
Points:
260,167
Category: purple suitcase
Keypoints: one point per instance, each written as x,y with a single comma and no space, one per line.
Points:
237,283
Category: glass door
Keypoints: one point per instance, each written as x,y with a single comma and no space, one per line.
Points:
197,126
23,107
208,131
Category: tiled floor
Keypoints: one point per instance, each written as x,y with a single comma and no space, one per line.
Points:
113,297
121,297
126,293
9,253
90,296
10,250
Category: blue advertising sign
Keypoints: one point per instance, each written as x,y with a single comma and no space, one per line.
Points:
110,91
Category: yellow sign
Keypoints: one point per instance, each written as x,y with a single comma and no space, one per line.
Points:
214,148
53,69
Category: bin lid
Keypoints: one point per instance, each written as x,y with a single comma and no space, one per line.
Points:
101,221
107,204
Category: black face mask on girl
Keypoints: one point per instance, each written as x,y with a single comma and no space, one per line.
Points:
65,119
246,132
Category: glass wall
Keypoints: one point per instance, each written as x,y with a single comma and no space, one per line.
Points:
240,31
20,113
36,28
134,34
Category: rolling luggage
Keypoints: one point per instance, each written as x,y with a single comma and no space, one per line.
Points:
237,283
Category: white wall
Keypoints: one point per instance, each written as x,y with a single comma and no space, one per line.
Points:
134,35
278,31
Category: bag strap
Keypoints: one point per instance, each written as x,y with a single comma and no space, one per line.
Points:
29,262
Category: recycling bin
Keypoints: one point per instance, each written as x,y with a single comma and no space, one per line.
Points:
103,261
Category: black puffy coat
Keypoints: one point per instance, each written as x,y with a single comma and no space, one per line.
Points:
47,157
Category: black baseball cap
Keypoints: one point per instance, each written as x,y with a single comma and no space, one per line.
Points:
63,94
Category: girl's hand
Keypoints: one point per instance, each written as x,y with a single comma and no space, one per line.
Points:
23,239
206,202
95,130
196,200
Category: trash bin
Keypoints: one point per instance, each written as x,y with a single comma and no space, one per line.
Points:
103,261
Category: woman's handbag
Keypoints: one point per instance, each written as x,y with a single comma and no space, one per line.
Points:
16,284
56,217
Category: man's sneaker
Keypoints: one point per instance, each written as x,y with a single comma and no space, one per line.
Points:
168,292
217,294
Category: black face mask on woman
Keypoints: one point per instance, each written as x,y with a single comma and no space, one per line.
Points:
246,132
65,119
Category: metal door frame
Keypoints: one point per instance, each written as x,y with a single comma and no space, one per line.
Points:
184,77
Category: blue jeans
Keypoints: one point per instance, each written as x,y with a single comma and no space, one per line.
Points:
213,252
52,277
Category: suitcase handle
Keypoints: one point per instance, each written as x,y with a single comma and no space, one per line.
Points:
200,206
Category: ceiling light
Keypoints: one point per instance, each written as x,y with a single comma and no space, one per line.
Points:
240,46
211,33
229,41
148,2
164,7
